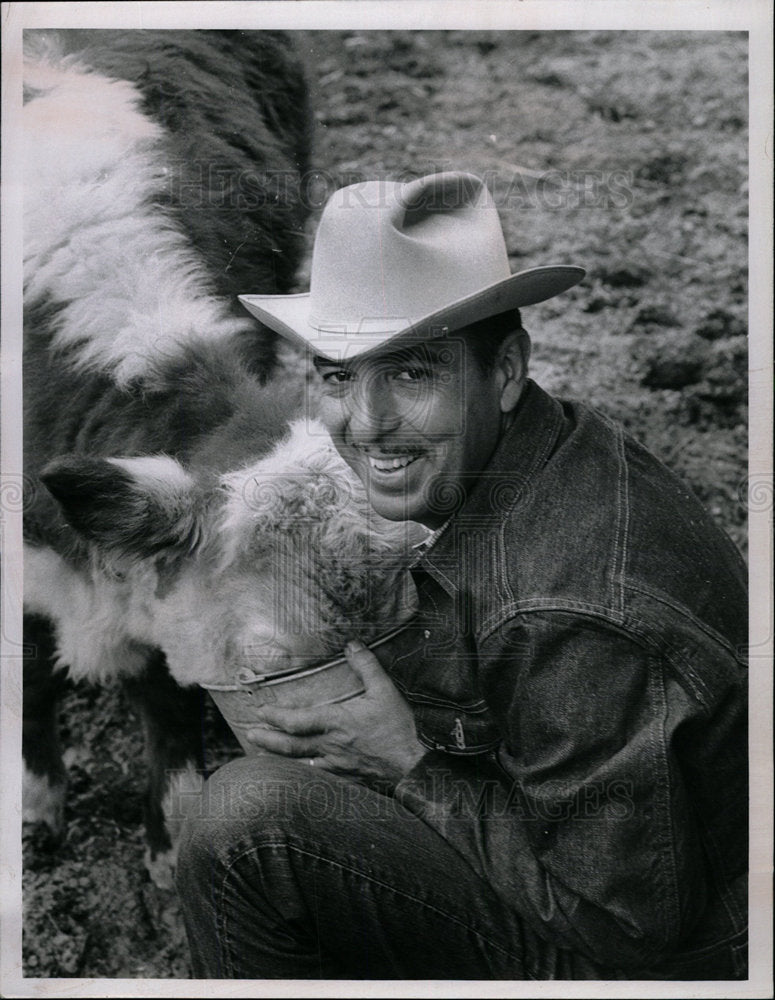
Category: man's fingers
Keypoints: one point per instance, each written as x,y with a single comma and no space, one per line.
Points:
297,721
364,663
282,743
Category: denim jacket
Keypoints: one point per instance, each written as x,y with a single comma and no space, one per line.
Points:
577,673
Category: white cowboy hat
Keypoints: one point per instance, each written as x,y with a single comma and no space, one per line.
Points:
412,260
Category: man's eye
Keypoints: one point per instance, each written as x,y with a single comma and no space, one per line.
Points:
411,374
336,377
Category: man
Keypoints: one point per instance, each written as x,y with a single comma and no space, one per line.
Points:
546,776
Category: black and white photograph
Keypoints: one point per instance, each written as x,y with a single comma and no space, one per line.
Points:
386,500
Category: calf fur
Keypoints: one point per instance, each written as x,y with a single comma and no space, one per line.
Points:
187,518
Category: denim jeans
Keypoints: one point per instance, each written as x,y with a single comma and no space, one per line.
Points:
289,872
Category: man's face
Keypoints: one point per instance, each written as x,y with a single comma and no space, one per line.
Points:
415,425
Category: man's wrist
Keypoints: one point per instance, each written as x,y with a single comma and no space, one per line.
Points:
400,766
413,756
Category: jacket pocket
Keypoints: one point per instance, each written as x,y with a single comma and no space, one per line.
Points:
435,669
453,727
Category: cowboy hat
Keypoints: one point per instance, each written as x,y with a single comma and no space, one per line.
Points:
396,261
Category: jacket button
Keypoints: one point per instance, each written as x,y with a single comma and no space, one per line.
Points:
427,633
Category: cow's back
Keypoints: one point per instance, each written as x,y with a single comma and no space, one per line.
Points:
237,126
154,160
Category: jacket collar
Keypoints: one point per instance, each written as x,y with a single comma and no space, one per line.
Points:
520,454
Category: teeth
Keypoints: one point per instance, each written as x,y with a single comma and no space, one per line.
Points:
388,464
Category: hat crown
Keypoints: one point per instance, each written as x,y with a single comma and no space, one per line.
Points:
388,252
394,262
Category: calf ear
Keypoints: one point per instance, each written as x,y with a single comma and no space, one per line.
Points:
137,506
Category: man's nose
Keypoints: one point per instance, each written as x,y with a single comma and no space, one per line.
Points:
372,409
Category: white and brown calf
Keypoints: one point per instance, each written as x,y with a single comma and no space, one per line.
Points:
185,519
272,565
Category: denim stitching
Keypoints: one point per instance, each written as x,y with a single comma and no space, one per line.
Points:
623,521
685,613
419,697
676,658
640,629
541,458
509,597
635,629
470,751
657,688
286,845
508,613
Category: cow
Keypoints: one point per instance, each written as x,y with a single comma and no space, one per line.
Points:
188,516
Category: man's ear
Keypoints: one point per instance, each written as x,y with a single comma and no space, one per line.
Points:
133,506
511,366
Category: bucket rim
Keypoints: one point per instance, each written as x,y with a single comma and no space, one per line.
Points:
295,673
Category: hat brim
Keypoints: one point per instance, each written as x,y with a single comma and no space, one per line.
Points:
289,315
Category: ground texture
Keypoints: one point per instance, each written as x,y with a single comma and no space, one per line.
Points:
622,152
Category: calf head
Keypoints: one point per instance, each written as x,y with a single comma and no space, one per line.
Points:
272,565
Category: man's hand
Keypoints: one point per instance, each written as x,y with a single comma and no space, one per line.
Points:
371,737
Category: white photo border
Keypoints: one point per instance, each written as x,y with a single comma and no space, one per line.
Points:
752,16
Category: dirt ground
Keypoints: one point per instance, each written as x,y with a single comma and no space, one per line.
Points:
622,152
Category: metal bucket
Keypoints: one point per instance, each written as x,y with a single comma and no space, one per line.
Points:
298,687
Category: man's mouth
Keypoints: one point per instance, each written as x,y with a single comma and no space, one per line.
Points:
391,463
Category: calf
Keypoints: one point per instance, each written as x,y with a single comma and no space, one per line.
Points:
185,508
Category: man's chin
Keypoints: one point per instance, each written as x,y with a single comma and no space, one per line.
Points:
409,506
393,507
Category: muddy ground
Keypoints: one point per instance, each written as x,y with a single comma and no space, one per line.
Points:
622,152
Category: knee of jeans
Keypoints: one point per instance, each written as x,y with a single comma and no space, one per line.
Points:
235,802
250,799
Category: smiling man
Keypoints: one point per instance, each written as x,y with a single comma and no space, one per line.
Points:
546,774
413,419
